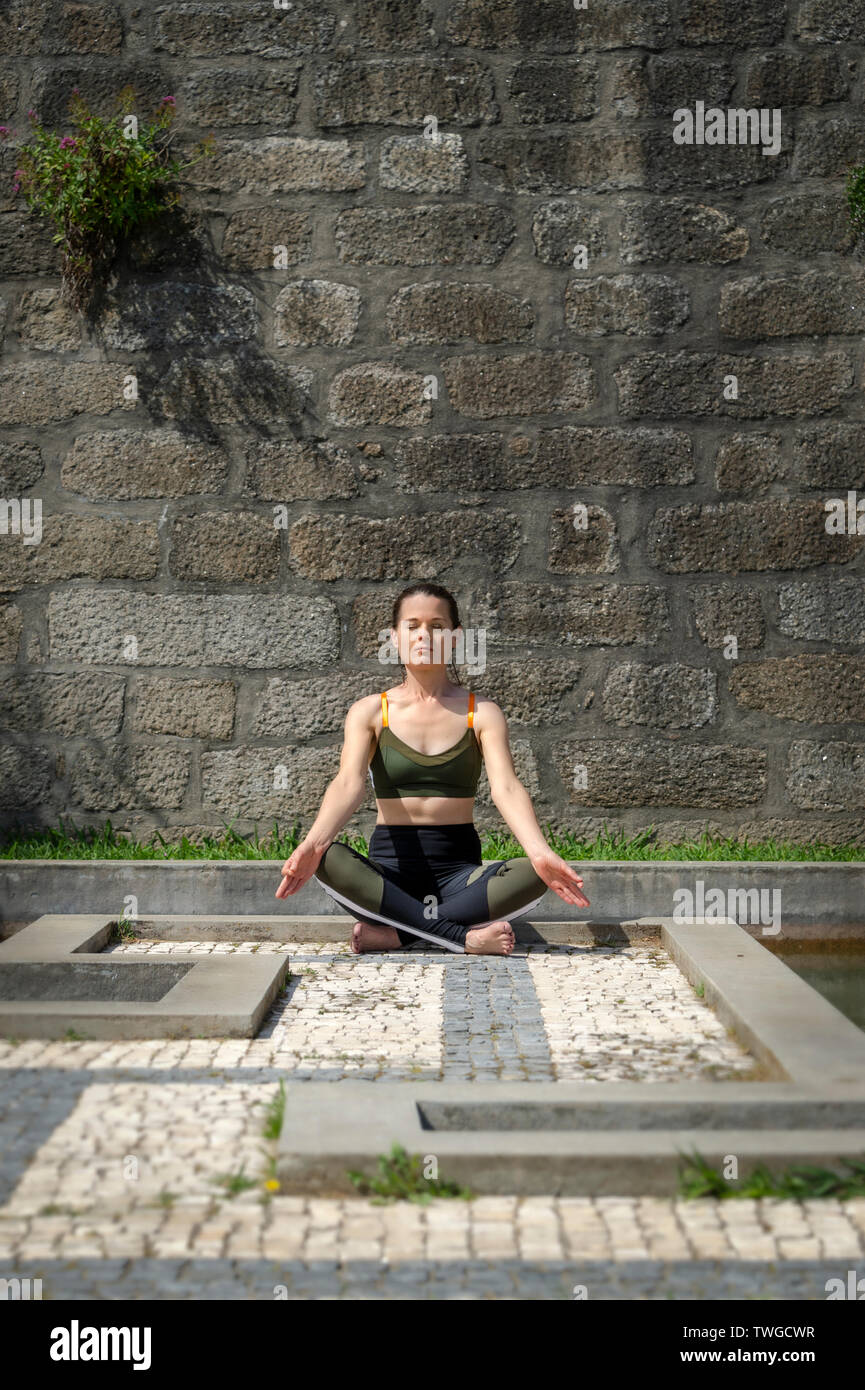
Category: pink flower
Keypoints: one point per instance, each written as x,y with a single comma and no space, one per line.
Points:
169,101
68,143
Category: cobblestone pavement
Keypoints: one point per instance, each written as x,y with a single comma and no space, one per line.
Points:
546,1013
118,1161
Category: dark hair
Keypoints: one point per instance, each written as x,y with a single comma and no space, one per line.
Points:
433,591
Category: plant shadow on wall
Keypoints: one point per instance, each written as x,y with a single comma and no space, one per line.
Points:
142,270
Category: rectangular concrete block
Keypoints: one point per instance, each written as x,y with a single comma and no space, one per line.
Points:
330,1130
69,985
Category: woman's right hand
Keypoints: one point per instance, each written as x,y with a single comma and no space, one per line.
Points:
298,868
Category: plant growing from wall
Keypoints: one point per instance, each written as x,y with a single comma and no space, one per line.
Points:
100,185
855,188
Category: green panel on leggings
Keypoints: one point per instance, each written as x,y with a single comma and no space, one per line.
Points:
512,886
345,873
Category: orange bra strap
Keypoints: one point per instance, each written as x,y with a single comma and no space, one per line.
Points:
471,709
384,709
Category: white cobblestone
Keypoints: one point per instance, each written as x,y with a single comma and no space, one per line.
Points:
629,1014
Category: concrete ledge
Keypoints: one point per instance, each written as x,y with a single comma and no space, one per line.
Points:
784,1022
616,1105
816,898
217,997
336,927
329,1130
55,936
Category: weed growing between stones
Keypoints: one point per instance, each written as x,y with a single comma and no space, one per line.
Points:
123,929
272,1129
235,1182
697,1178
275,1114
401,1179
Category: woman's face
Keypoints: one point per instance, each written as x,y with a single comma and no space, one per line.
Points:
424,636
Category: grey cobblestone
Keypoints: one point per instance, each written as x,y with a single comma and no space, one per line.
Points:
512,1280
492,1018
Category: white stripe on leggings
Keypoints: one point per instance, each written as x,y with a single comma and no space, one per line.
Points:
364,913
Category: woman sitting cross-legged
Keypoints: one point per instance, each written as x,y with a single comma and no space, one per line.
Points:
424,878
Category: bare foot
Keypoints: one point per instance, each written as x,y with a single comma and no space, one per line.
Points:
372,936
495,939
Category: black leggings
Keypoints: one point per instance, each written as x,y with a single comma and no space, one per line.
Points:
414,870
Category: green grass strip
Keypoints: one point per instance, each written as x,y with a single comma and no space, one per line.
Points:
94,843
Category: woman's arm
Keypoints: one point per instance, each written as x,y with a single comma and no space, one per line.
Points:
514,803
343,796
350,785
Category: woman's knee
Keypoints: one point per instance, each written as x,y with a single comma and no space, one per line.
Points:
522,872
337,865
348,873
326,862
514,885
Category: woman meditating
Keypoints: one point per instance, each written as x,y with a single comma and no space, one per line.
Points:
422,744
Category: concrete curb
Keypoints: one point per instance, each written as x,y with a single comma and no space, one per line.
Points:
335,927
329,1131
787,1025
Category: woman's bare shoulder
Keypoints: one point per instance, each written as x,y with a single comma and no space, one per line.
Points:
364,710
488,715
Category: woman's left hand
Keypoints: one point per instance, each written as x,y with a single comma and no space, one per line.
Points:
558,875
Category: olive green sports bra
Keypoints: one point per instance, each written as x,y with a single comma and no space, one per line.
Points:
397,770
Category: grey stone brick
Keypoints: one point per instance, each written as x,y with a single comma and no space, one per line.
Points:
670,696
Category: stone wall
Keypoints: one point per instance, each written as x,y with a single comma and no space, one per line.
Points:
368,349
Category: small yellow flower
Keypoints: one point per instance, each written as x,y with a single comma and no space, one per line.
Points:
272,1184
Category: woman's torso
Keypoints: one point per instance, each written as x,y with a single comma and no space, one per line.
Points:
435,743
